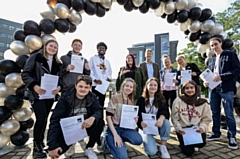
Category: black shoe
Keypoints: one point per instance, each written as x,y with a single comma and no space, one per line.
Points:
232,143
38,151
45,148
212,137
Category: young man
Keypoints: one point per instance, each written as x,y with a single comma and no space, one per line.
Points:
227,69
150,69
69,78
100,70
76,101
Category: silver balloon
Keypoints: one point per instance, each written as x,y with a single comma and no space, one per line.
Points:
75,17
160,10
137,3
195,26
47,37
2,101
48,13
9,127
181,4
199,5
191,4
184,26
224,34
14,80
6,90
19,48
207,25
209,53
217,29
22,114
33,42
61,10
106,3
170,7
26,104
3,140
8,54
202,48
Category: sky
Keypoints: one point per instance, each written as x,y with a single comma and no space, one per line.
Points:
119,29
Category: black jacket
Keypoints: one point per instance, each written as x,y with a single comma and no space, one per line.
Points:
162,110
64,109
34,69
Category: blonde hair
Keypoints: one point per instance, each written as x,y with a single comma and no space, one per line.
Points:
179,56
131,95
44,52
166,57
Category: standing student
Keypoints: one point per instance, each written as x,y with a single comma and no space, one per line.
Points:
153,102
116,136
44,62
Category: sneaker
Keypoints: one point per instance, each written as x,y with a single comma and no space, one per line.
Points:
196,149
232,143
212,137
90,153
71,151
164,151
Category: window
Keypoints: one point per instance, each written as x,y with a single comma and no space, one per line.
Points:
2,44
11,27
2,35
10,36
140,56
1,53
8,46
5,26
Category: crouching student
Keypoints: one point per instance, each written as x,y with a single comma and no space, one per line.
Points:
190,110
116,136
76,101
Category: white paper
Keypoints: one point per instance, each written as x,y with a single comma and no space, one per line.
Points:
207,76
169,77
48,83
186,75
72,129
129,112
150,120
191,136
78,62
102,88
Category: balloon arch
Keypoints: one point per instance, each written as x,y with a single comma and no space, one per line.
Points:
64,16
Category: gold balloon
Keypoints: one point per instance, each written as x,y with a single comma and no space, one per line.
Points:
26,104
181,4
6,90
3,140
75,17
48,13
61,10
14,80
19,48
33,42
22,114
106,3
47,37
9,55
2,101
10,127
137,3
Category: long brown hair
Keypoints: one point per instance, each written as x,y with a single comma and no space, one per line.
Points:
158,96
44,53
130,96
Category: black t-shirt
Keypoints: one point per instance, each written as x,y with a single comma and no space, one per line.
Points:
80,107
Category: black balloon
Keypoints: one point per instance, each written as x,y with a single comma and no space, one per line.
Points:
2,77
233,49
182,16
227,44
186,32
122,2
31,28
5,113
164,0
204,55
13,102
129,6
90,7
219,36
164,15
213,19
144,8
100,10
206,14
154,4
72,28
21,60
24,125
8,66
66,2
62,25
194,36
20,138
77,5
172,17
237,102
47,26
204,37
20,91
19,35
195,13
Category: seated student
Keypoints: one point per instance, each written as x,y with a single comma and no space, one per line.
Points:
190,110
153,102
76,101
116,136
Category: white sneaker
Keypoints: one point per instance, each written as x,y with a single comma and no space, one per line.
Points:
71,151
196,149
90,153
164,151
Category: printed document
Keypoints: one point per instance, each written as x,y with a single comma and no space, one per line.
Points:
186,75
150,120
102,88
191,136
72,129
169,77
78,62
48,83
207,76
129,112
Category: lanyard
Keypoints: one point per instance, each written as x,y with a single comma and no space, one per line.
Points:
151,108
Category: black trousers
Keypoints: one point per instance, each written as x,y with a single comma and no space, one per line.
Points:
170,95
41,110
101,97
189,149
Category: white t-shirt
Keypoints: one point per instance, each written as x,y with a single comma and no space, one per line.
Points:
216,67
151,109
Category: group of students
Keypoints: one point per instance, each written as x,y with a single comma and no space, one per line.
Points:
135,85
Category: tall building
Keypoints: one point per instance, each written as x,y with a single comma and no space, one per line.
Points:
160,46
7,29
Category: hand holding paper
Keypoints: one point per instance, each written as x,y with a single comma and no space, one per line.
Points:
129,112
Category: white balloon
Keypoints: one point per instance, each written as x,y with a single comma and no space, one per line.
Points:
160,10
170,7
184,26
196,42
181,4
48,13
224,34
195,26
75,17
61,10
8,54
202,48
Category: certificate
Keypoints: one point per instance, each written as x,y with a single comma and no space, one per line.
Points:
207,76
150,120
48,83
129,112
78,63
169,77
186,75
102,88
191,136
72,129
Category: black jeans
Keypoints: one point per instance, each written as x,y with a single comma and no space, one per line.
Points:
41,110
101,97
170,95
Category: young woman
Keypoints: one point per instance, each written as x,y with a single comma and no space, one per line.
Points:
116,136
153,102
190,110
38,64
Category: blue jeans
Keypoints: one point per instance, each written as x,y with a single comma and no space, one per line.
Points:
127,135
227,99
149,143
